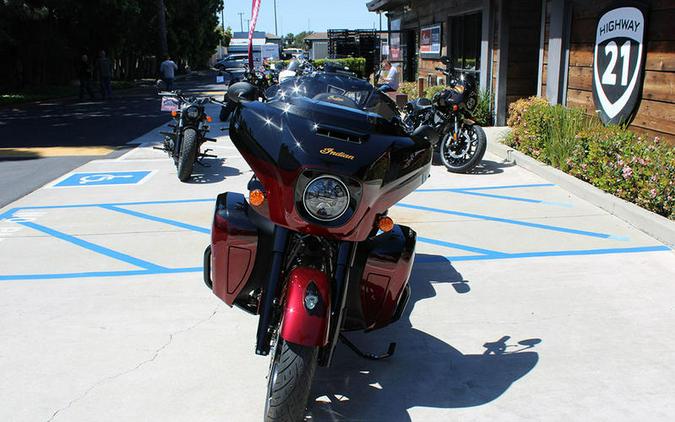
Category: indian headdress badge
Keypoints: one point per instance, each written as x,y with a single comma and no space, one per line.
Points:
618,63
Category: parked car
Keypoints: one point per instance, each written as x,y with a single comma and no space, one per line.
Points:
232,61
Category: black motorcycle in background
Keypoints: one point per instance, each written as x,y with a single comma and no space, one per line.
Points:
184,142
260,80
449,112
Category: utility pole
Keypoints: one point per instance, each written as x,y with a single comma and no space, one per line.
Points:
161,14
222,26
276,31
248,24
241,20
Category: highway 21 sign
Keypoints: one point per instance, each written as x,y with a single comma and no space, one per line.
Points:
618,63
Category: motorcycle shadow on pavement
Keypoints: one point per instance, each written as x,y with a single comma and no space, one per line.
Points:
212,170
424,371
490,167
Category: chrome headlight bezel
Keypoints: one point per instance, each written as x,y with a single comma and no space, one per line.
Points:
192,112
334,216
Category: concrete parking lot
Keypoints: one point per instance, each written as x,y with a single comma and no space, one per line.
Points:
528,304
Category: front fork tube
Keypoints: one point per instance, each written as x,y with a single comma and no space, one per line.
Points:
345,259
263,337
455,133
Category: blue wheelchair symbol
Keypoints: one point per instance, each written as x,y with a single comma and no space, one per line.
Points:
104,178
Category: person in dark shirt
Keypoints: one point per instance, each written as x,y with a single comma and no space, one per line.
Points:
104,69
84,73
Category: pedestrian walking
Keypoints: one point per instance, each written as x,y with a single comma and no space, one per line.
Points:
85,74
104,68
167,70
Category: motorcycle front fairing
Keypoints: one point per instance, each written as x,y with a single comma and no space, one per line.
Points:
289,143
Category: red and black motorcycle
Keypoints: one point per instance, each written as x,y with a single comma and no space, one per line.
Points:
312,251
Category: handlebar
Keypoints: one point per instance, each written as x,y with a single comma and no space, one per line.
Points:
196,98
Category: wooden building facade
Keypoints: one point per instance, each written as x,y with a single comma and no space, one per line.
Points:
521,48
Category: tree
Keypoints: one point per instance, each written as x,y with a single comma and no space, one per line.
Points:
224,37
41,40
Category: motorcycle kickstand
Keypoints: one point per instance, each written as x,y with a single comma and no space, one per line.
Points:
369,356
203,155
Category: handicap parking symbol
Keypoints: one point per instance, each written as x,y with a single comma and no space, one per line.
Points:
104,178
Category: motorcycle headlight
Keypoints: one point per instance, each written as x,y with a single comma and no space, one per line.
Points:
192,112
326,198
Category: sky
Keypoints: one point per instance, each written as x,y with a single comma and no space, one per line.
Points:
299,15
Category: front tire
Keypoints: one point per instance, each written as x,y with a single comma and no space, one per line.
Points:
289,381
463,156
187,155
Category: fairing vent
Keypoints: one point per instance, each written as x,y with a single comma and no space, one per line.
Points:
341,134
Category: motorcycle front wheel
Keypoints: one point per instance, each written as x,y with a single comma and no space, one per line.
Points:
289,381
187,154
465,153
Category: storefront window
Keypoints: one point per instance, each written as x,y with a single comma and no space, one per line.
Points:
464,42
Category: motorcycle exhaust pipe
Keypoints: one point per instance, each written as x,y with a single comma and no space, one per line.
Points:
263,337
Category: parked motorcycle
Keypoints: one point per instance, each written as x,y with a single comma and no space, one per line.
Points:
261,80
297,67
184,142
312,251
463,142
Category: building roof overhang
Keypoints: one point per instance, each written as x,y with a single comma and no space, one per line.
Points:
385,5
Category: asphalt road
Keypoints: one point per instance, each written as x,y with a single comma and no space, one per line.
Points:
71,123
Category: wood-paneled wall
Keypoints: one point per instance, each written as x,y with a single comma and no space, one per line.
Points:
656,113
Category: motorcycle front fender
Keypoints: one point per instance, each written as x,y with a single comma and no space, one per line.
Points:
300,324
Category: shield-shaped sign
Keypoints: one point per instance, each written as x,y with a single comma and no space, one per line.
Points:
618,63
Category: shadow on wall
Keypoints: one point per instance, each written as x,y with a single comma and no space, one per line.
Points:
423,372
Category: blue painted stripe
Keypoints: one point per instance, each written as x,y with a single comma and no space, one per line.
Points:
458,246
121,204
95,248
539,254
492,195
9,213
533,185
509,221
515,198
419,258
100,274
157,219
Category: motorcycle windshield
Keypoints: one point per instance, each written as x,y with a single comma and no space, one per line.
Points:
342,91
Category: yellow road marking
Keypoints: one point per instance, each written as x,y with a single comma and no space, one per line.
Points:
41,152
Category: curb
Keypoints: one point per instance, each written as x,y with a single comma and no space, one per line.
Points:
654,225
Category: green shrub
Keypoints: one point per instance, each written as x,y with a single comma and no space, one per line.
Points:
355,64
430,91
635,168
482,114
408,88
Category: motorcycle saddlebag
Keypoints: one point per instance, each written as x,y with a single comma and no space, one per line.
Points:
378,285
237,239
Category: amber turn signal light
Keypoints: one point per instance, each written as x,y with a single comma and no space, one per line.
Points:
209,119
174,113
385,224
256,197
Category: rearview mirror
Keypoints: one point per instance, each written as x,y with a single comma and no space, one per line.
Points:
160,85
242,91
